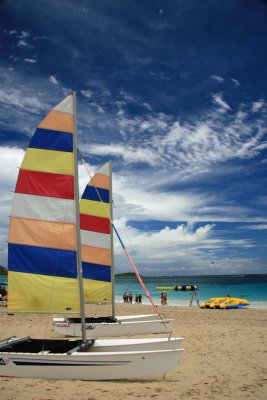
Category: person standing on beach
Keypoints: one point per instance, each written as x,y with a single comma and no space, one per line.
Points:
164,298
130,298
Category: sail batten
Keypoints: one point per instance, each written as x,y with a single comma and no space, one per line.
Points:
42,229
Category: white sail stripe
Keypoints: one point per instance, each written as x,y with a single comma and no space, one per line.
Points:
95,239
43,208
65,105
104,170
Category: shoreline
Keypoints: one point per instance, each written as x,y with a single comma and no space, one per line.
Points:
185,303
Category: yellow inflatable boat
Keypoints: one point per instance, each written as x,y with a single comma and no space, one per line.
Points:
224,303
180,287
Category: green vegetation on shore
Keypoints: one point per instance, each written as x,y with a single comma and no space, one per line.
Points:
3,271
126,275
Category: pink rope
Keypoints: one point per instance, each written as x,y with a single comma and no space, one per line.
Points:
142,284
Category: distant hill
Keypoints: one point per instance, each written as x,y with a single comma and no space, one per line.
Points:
3,271
127,275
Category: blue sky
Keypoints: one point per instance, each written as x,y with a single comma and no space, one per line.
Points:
174,92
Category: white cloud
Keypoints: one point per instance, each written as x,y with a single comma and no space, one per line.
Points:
217,78
10,161
183,249
15,97
87,93
10,158
218,99
258,105
258,227
22,43
53,80
129,154
235,82
164,245
22,39
11,32
188,148
30,60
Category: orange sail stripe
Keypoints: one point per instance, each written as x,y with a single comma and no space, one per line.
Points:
58,121
101,181
96,255
53,235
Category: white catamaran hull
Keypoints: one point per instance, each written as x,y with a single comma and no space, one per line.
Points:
122,318
89,366
144,344
139,317
94,330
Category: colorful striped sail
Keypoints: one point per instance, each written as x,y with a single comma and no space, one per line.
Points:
95,208
42,272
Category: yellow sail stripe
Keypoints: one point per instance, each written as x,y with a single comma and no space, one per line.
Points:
32,292
56,162
95,208
97,291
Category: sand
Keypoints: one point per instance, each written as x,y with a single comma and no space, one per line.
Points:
225,358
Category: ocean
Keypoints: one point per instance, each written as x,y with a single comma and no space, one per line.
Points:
3,281
251,287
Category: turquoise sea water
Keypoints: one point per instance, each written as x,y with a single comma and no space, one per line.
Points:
251,287
3,281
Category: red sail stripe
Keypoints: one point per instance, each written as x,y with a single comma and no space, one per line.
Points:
45,184
94,224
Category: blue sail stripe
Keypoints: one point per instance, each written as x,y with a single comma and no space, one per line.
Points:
92,193
52,140
41,260
96,272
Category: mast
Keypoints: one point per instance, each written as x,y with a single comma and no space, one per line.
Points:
77,209
111,238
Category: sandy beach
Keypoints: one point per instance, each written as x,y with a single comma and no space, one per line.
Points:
225,357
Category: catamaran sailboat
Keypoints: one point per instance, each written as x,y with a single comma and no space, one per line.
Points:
45,269
97,261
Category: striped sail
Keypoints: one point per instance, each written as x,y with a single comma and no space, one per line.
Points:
42,272
96,238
